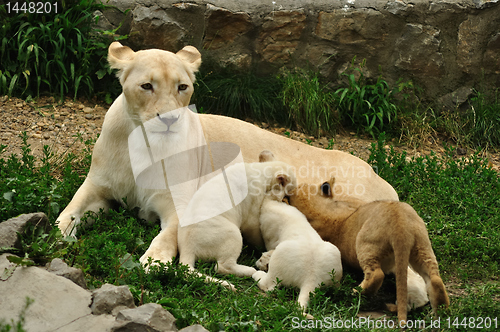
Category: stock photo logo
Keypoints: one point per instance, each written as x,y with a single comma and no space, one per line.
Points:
170,152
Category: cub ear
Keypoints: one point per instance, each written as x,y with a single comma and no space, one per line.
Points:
282,179
326,189
119,56
266,155
332,181
191,56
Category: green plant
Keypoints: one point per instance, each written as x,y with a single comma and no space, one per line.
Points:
239,94
310,104
371,106
59,53
483,120
31,185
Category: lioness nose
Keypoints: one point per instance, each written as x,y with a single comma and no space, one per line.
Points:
168,121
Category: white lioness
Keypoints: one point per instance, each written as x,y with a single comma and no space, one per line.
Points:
297,255
155,83
377,237
218,236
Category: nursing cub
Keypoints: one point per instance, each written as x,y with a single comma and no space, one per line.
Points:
378,237
209,233
297,255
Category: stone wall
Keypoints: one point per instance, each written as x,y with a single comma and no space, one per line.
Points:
442,45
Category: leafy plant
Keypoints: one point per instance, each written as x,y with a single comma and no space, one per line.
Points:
371,106
59,53
17,326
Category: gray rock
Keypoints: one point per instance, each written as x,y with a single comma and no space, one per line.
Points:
10,228
148,318
455,99
194,328
57,303
60,268
480,4
418,50
110,299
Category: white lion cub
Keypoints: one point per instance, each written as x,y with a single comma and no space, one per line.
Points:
298,255
210,235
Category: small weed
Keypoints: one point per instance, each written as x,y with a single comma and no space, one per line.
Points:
28,185
19,325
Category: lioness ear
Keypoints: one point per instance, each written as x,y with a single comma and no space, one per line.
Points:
191,56
266,155
119,56
326,189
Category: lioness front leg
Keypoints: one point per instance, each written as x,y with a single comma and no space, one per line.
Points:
163,248
89,197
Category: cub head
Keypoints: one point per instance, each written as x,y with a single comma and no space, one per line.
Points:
265,156
282,184
154,81
307,195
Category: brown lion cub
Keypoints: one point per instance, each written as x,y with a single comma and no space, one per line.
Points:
378,237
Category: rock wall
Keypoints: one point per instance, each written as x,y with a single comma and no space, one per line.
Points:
441,45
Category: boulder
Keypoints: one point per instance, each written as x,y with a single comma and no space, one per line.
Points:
149,317
418,51
224,26
56,303
110,299
280,35
194,328
10,228
60,268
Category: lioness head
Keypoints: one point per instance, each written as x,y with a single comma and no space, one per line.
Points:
155,81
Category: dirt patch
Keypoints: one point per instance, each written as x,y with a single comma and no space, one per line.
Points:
360,146
49,122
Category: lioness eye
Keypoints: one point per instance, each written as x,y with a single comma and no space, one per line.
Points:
147,86
182,87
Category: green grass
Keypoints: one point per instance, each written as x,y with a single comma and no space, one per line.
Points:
239,94
458,199
310,103
56,53
479,125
